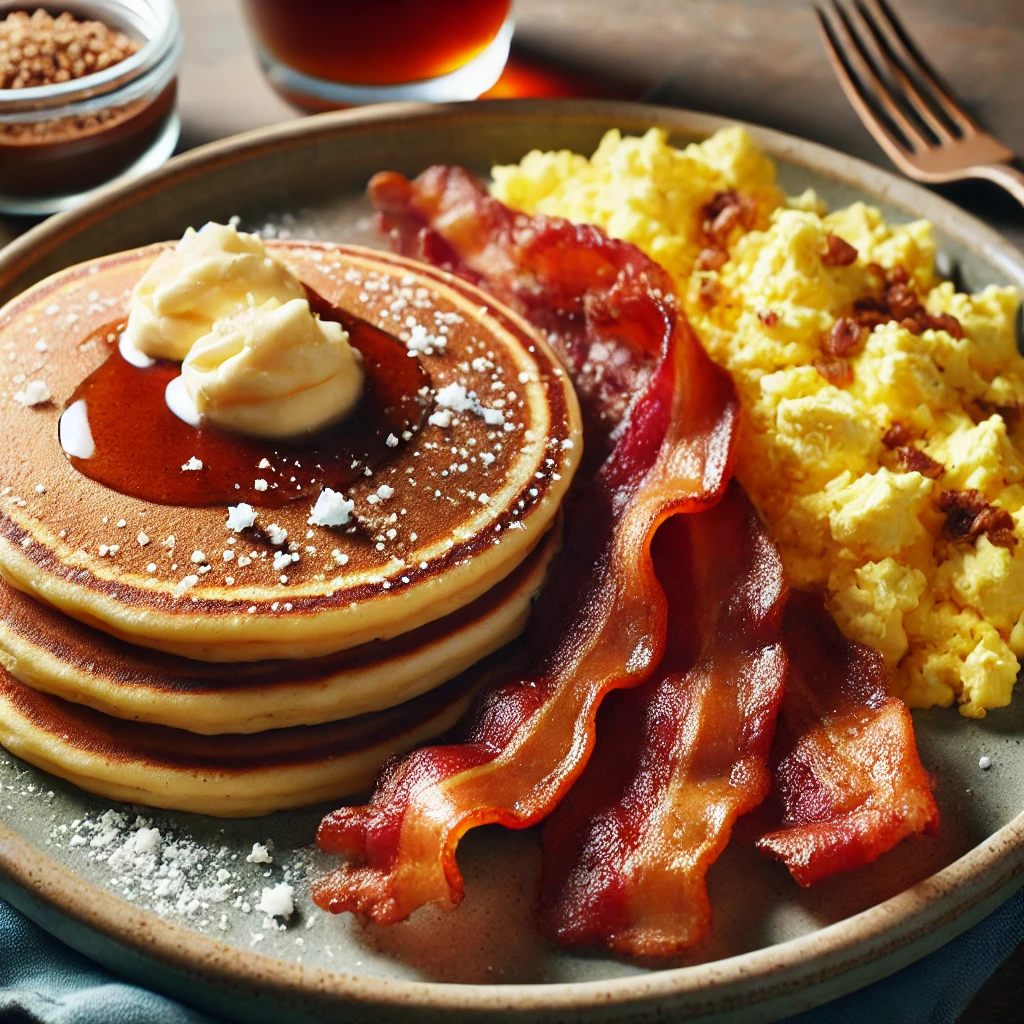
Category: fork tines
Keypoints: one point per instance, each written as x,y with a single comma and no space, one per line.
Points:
886,78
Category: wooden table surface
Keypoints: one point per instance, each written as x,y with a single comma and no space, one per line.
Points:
750,59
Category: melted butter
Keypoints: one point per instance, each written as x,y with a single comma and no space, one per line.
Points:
255,357
139,446
209,275
274,371
74,431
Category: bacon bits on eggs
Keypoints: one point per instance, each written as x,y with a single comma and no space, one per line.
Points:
870,389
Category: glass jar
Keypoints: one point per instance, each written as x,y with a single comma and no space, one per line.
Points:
324,54
61,142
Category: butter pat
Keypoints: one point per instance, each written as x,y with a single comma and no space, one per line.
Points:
273,370
255,358
210,274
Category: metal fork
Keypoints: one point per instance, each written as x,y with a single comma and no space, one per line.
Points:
902,102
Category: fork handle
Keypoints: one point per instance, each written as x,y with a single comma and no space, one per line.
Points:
1003,175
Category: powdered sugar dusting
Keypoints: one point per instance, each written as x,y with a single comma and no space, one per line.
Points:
156,862
189,871
162,870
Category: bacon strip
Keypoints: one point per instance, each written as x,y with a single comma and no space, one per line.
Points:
601,624
848,774
626,853
602,304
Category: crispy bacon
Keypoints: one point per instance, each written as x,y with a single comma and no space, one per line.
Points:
838,252
945,322
625,854
844,338
681,757
601,623
913,460
711,259
603,304
836,370
981,410
902,301
897,436
710,292
969,515
727,210
847,771
899,302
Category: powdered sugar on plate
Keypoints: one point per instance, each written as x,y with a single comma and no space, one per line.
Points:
155,862
158,867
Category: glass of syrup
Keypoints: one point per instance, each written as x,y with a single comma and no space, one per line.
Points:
324,54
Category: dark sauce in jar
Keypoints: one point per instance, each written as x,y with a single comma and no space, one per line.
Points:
141,447
68,156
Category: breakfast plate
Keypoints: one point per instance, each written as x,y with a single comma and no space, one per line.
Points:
189,916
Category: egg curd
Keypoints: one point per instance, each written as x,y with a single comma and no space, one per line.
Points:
851,519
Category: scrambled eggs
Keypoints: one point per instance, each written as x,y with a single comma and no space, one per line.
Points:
823,453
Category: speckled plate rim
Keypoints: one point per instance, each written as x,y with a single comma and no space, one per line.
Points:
754,986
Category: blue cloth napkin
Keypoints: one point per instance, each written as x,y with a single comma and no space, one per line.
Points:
43,981
938,988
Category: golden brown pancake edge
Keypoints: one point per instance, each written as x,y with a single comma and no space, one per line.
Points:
211,620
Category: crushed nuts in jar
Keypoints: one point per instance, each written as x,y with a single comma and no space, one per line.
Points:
39,49
86,96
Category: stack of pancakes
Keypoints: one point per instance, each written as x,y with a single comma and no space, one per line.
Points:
153,655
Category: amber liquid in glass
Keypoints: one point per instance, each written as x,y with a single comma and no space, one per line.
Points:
375,42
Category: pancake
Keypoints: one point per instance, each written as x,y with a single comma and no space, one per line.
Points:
227,776
48,651
452,509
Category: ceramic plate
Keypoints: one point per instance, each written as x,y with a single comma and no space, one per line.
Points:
183,918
